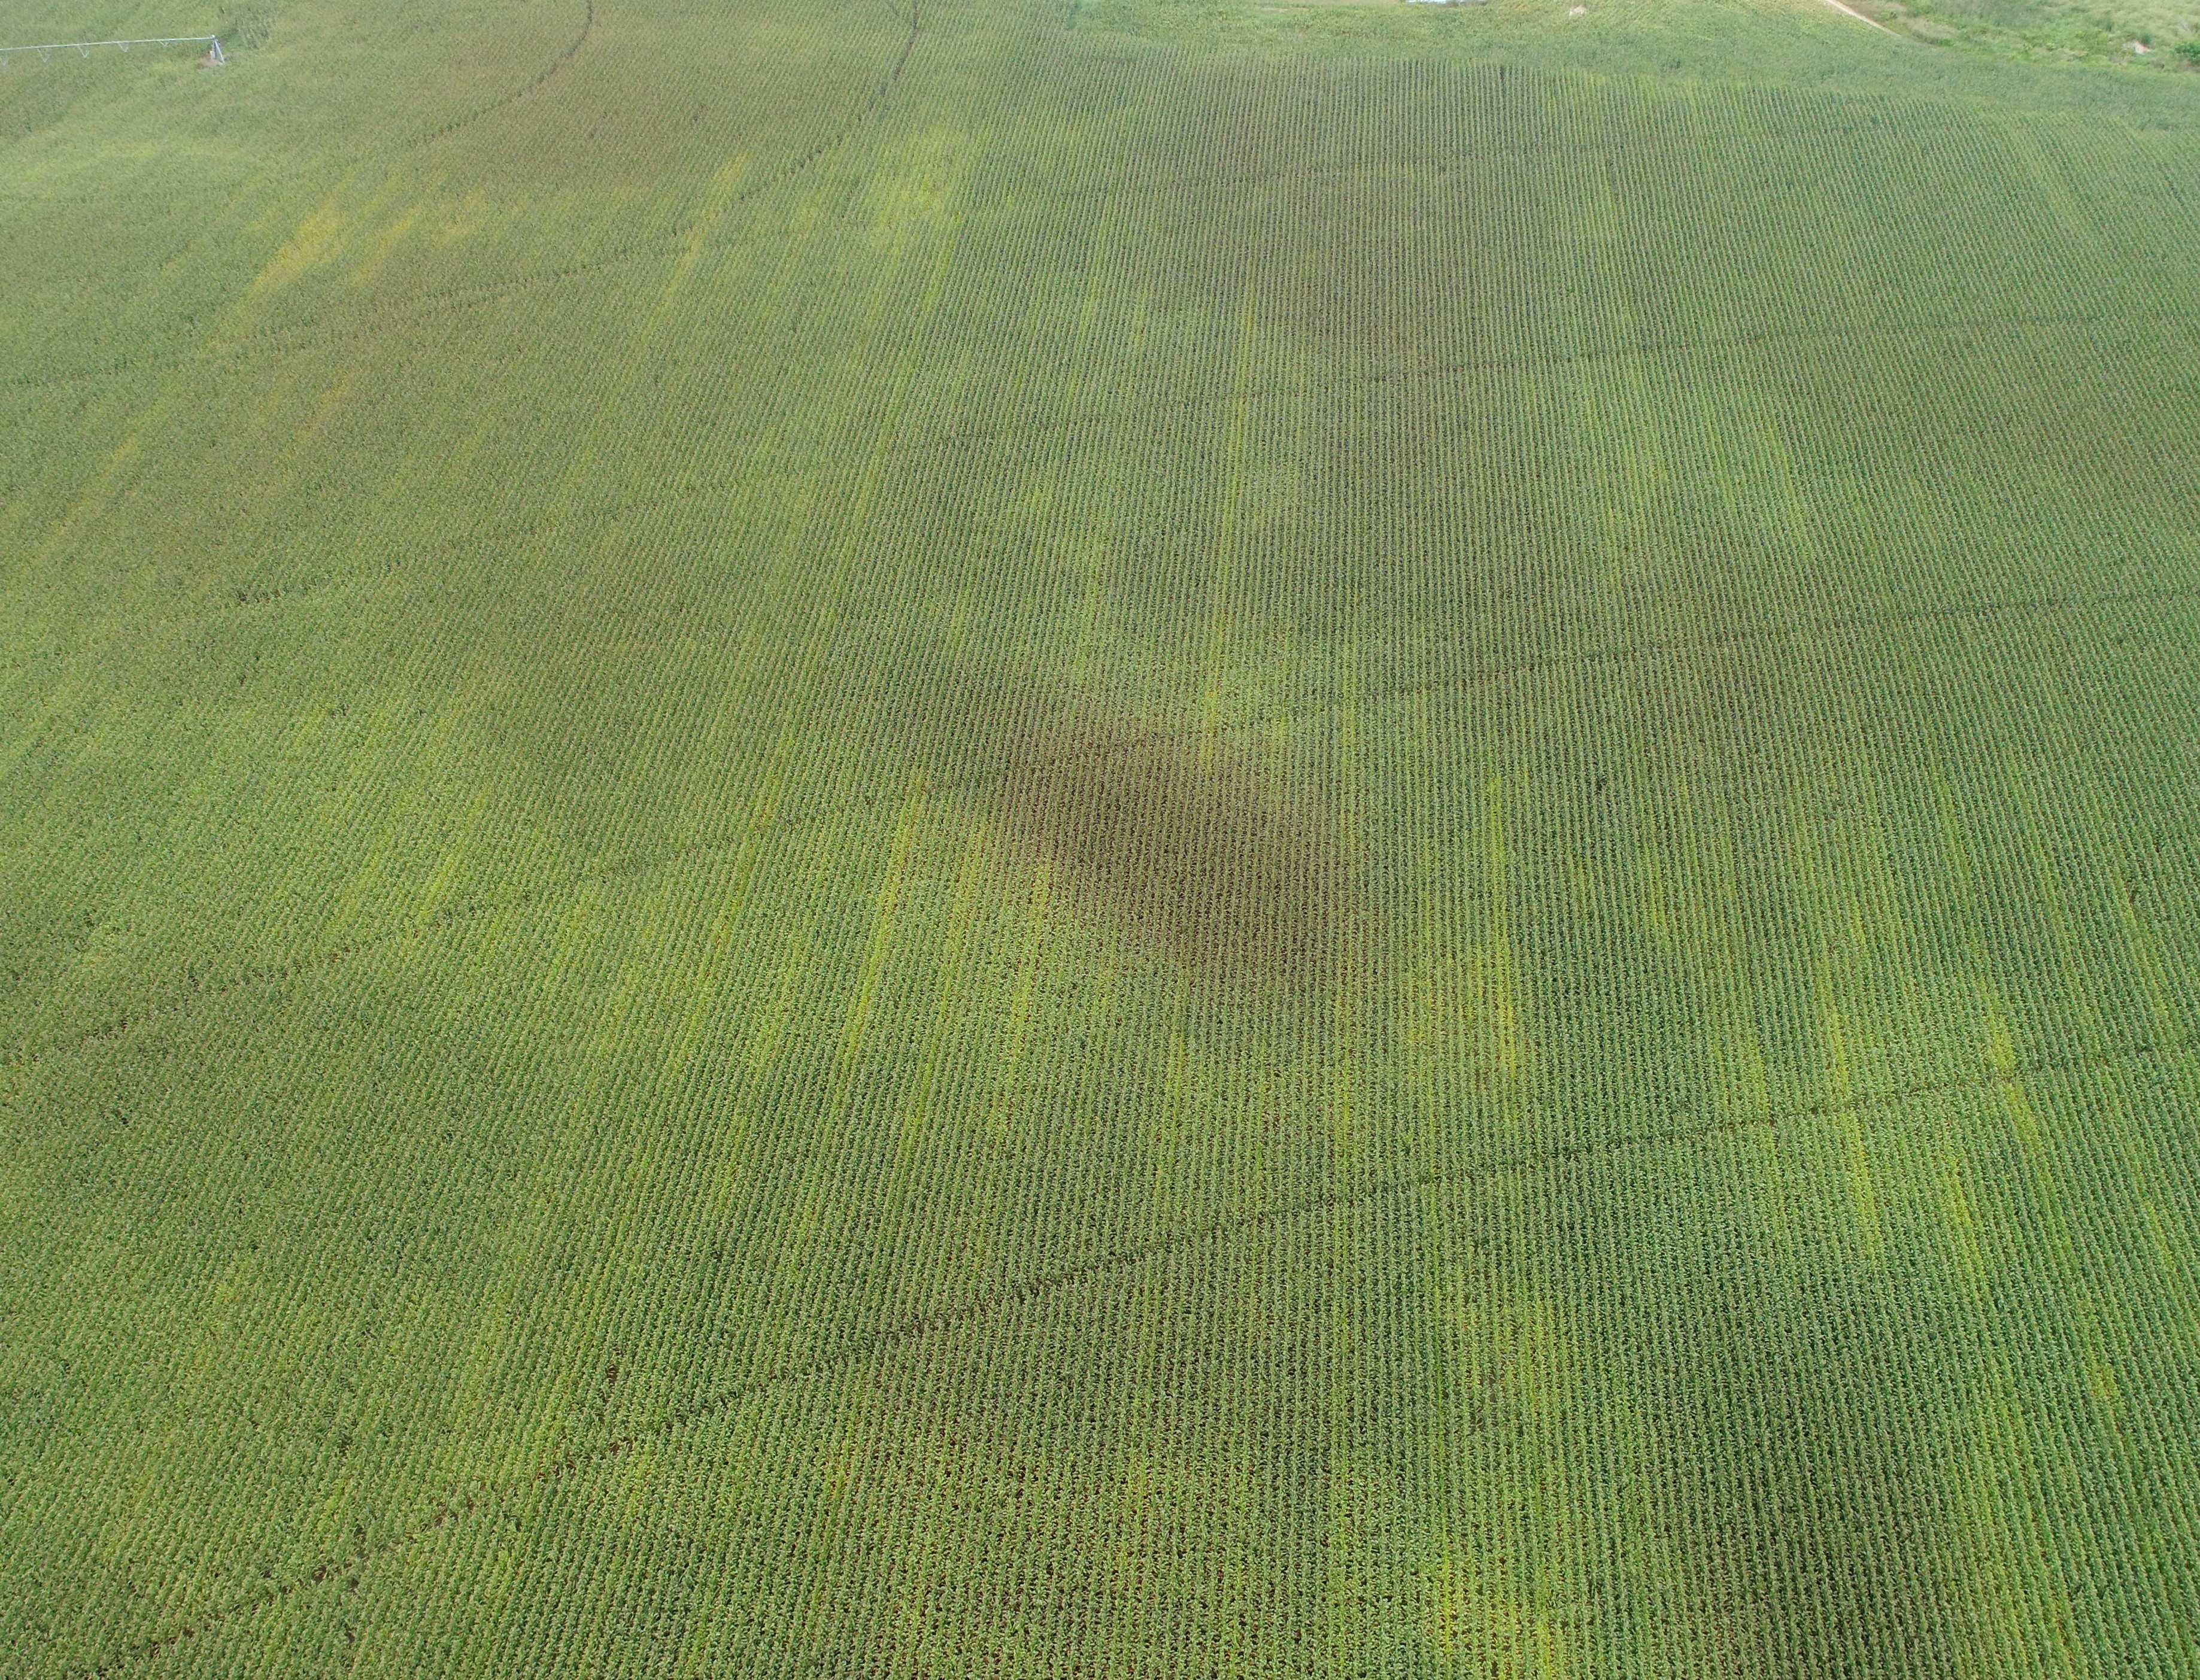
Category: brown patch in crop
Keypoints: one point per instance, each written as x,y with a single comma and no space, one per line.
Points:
1209,862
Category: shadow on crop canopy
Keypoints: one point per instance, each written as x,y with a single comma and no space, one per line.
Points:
1225,869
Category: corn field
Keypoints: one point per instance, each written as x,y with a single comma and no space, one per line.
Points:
1142,837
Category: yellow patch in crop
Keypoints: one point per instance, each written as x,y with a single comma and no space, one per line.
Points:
2146,962
880,947
1841,950
2021,1605
58,700
1700,892
123,453
1470,1021
2045,1180
919,194
464,221
1220,603
438,890
1088,618
1489,1635
638,1477
948,1008
1500,980
717,199
100,493
379,249
703,987
2173,1254
331,400
316,239
1650,872
328,230
1497,1590
1016,1032
2001,1051
1962,1223
1863,1189
430,763
768,1031
2048,180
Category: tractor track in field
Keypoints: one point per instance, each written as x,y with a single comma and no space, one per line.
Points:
1038,1287
23,1057
541,80
1158,1259
244,597
294,336
869,109
1841,6
371,320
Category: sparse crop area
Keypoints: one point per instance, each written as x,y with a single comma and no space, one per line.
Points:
1099,837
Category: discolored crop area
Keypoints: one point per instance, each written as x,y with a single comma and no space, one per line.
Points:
1198,855
1154,837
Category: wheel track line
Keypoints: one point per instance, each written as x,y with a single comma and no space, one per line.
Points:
1851,11
542,77
400,314
243,599
1039,1286
375,322
300,335
25,1058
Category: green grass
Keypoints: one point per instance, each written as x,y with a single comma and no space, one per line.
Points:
1169,838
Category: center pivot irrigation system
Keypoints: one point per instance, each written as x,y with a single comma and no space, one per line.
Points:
211,42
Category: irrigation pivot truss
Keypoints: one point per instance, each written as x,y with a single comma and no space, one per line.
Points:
211,42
